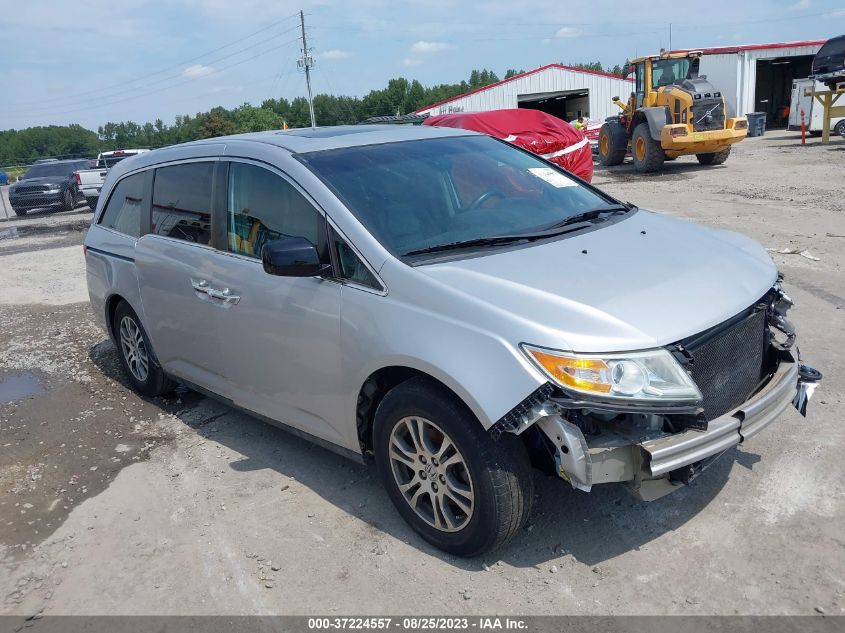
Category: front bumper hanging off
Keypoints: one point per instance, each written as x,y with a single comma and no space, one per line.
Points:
654,467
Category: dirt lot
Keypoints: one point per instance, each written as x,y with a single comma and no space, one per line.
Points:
110,504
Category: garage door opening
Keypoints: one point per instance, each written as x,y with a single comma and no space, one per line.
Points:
567,104
773,90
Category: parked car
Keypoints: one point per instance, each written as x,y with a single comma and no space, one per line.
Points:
829,63
48,184
4,178
90,180
552,138
448,304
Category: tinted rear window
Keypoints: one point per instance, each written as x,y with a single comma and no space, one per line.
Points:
182,202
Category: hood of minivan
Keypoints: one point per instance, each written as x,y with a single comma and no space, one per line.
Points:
644,281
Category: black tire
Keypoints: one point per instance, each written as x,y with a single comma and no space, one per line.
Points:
840,128
815,133
91,202
154,381
20,212
68,200
613,143
499,472
716,158
647,153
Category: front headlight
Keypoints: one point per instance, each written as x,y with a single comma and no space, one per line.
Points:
649,376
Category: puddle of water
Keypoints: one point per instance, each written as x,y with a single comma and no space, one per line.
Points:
9,233
19,387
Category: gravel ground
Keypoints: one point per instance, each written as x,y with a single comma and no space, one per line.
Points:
112,504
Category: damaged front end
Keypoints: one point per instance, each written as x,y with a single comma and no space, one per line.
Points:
744,370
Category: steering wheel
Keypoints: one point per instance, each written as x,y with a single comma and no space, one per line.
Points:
484,197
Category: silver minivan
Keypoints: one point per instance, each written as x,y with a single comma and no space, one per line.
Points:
452,307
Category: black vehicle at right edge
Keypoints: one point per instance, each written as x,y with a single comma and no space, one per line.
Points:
829,63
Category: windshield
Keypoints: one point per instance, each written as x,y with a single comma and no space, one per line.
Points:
414,195
46,170
666,72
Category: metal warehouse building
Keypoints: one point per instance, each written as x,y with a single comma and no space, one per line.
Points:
563,91
758,77
753,78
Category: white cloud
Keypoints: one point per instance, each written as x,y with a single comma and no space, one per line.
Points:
410,61
197,70
801,4
335,54
429,47
839,13
568,31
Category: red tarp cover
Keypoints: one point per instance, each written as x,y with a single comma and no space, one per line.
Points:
552,138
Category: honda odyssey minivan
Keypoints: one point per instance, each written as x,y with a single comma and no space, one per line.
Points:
451,307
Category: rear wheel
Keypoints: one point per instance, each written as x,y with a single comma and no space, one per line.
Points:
716,158
136,355
647,153
459,489
613,143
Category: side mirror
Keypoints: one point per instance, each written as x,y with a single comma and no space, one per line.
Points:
292,257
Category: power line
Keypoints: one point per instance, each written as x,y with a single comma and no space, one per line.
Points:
143,89
215,72
177,65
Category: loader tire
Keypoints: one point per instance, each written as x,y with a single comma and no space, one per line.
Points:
715,158
647,153
613,143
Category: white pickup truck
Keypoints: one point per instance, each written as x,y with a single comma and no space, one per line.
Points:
90,181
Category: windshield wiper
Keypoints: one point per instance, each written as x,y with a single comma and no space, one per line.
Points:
569,224
593,214
479,241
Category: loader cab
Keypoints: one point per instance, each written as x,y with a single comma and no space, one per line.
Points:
659,71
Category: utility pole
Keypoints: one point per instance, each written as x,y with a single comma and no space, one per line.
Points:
670,36
306,62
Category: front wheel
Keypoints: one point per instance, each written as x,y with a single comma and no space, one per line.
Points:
715,158
646,153
840,128
459,489
136,355
68,201
613,143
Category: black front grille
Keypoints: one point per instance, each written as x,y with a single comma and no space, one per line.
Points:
728,362
708,114
29,190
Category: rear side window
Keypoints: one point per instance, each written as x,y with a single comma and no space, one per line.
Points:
123,211
182,202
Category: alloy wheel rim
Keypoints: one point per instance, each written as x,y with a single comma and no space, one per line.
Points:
134,348
431,474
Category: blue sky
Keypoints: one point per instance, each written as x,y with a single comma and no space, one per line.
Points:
93,61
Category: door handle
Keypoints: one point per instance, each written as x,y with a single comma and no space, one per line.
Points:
224,295
200,285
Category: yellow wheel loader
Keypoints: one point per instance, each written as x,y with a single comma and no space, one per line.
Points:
672,112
